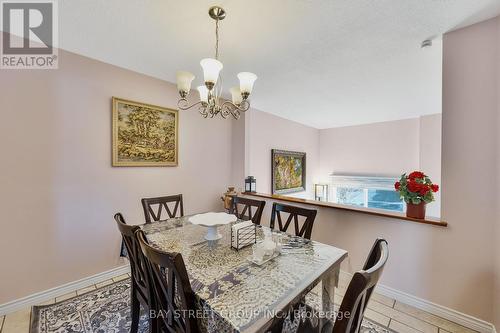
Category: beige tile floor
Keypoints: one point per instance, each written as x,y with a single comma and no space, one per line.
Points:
383,310
401,317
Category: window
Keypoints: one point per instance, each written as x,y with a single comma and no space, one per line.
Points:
385,199
350,196
365,191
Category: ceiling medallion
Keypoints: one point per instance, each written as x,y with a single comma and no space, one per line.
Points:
211,103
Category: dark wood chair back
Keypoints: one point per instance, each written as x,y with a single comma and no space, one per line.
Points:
294,214
172,290
248,209
352,308
360,289
138,267
152,214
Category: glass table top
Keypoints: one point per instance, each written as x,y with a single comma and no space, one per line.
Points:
241,293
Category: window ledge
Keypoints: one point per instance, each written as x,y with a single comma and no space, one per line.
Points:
369,211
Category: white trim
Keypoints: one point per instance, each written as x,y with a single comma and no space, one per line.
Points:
438,310
363,182
43,296
455,316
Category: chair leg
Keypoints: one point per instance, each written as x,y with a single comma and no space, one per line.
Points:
153,328
152,322
135,310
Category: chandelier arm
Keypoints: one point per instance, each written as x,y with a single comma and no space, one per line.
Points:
233,109
244,106
213,110
224,112
184,105
202,109
236,114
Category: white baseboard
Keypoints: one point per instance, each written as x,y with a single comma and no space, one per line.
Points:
455,316
438,310
43,296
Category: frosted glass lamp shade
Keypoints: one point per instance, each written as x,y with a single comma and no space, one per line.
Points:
236,95
184,80
247,80
211,69
203,93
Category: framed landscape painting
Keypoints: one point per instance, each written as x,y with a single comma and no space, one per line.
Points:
288,171
144,134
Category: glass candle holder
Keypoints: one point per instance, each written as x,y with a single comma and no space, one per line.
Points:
278,240
258,252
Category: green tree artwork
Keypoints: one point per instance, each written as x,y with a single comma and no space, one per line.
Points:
143,134
288,171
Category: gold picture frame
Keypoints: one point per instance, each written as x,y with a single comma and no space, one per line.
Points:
144,134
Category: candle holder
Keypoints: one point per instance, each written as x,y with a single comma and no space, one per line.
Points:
250,184
321,192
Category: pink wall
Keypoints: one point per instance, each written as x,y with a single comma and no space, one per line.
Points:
430,143
384,149
238,159
265,132
470,163
497,225
58,189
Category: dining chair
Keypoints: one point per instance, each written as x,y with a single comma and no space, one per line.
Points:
162,203
173,295
242,208
140,289
293,214
351,312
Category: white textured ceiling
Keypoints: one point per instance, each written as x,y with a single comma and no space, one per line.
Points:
321,63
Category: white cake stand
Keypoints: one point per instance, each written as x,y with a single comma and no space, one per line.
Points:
212,221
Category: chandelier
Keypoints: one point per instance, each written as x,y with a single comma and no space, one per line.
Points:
211,103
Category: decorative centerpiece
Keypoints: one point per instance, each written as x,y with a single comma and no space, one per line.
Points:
227,198
417,190
212,221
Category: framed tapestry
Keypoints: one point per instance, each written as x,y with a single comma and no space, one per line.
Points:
288,171
144,134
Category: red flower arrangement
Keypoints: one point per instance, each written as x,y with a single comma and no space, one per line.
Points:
416,187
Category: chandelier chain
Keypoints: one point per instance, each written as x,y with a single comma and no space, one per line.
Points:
217,39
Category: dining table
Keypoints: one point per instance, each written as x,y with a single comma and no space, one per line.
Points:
237,295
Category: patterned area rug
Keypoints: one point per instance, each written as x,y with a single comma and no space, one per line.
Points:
107,310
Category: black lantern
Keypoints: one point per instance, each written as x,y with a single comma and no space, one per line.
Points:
250,184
